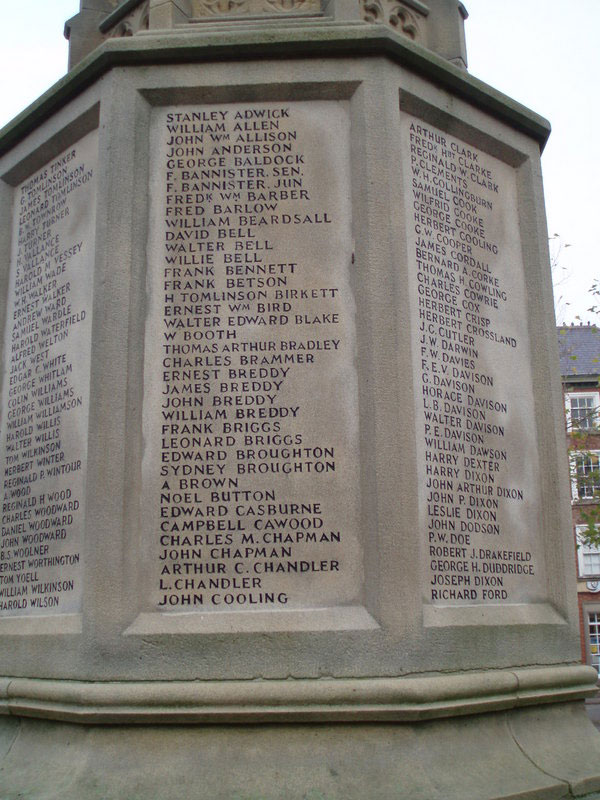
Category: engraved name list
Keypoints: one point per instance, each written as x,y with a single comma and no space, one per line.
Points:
45,399
250,415
477,448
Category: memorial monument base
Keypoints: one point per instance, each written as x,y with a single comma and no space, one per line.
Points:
530,754
283,438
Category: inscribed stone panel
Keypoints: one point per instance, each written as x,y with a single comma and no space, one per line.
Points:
45,402
479,493
250,468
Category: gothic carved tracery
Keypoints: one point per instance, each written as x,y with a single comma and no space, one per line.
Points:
292,5
394,14
205,8
136,21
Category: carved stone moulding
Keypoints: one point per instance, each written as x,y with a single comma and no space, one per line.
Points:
127,20
136,21
334,700
406,18
223,8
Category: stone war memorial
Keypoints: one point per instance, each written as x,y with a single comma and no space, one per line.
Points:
285,503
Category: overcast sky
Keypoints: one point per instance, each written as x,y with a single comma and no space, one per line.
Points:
544,53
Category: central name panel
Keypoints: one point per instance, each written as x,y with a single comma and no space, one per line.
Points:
250,496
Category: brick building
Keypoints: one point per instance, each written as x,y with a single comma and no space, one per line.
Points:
579,348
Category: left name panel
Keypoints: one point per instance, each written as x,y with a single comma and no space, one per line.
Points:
45,390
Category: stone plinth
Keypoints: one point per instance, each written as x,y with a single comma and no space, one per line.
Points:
285,495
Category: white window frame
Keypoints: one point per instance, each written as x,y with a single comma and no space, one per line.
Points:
583,550
595,397
591,657
574,487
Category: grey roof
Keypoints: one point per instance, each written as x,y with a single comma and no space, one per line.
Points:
579,350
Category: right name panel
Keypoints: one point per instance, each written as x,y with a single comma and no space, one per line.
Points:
477,457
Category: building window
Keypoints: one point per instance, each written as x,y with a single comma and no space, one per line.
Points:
591,562
594,639
582,411
586,475
588,555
